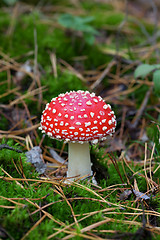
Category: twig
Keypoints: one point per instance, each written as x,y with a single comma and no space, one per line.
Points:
121,26
141,109
30,180
34,226
5,146
146,177
63,196
54,63
155,35
6,233
11,136
28,94
104,73
116,166
11,178
9,92
14,16
36,72
21,131
74,71
122,123
12,201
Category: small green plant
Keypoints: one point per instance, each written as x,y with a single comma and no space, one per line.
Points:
145,69
81,24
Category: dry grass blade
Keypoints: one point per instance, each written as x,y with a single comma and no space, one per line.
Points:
104,73
70,68
122,93
9,92
36,72
132,214
11,136
29,144
110,210
125,161
92,191
28,94
54,64
89,228
63,195
8,207
83,236
46,213
94,225
11,178
72,224
13,20
120,206
149,227
112,186
116,166
34,226
16,67
16,167
21,131
156,169
12,201
142,108
8,59
58,183
145,171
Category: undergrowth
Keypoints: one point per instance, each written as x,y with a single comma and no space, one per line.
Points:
24,198
34,206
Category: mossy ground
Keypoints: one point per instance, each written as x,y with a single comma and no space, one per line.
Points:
39,206
20,200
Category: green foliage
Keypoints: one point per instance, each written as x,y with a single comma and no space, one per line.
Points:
156,80
144,69
81,24
77,23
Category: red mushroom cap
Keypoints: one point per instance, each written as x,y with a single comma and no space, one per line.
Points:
77,117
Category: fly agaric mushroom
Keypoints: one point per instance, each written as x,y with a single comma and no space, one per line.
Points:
78,117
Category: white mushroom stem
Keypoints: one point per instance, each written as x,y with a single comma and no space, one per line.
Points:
79,160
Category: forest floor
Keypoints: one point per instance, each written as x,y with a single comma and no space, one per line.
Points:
111,48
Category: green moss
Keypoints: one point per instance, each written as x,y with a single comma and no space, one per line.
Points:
22,219
112,19
96,6
9,157
65,81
